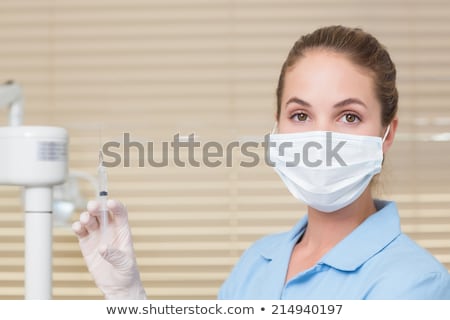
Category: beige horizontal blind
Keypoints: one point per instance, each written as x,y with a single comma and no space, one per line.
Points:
155,69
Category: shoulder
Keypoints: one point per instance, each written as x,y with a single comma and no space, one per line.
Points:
399,249
253,259
251,267
273,243
411,252
409,272
262,249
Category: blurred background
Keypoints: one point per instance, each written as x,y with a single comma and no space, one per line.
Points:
158,68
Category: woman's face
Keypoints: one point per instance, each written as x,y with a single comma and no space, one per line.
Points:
325,91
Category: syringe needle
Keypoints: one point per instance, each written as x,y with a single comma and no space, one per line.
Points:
102,196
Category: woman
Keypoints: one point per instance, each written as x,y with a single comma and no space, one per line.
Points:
336,117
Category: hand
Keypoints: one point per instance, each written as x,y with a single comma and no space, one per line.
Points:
111,263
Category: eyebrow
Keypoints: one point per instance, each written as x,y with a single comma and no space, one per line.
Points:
348,101
340,104
298,101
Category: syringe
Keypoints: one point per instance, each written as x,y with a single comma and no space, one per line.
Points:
102,196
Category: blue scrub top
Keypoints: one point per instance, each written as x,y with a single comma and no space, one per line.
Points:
375,261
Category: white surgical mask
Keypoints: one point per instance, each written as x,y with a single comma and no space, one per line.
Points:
326,170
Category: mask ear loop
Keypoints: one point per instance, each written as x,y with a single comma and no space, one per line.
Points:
275,127
386,133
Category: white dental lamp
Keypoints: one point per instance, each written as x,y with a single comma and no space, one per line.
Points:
34,157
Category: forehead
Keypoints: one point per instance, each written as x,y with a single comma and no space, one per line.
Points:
323,72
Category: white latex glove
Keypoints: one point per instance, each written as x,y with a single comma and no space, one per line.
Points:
113,266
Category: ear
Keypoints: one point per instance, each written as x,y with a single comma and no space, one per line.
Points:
390,137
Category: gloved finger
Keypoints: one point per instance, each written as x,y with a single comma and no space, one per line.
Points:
93,207
119,211
79,230
89,222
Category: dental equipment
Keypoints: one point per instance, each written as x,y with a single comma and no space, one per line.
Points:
11,96
34,157
103,197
